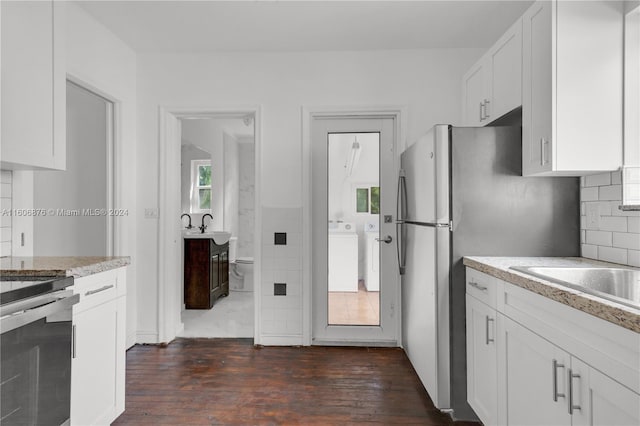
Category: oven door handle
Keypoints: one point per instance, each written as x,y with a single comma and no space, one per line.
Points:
19,319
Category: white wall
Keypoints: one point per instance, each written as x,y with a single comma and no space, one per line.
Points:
83,185
98,58
246,201
427,82
6,183
231,184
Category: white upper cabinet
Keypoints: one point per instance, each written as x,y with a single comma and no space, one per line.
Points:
492,87
33,85
572,87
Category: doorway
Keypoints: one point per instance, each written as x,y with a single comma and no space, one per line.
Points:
170,238
354,271
217,175
79,198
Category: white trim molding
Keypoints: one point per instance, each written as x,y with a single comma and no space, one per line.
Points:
310,113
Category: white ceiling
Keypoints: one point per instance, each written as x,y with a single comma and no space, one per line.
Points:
207,26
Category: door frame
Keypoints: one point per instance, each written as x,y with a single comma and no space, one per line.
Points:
309,114
169,303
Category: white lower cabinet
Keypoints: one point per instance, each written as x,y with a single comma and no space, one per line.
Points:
526,361
98,363
482,385
534,377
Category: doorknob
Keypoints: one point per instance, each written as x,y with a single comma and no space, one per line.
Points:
386,239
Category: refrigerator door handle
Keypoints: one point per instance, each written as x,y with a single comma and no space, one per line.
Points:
401,198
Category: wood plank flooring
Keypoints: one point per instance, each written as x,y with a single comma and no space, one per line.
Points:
231,382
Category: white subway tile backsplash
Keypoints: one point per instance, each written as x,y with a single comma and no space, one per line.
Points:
626,240
599,238
598,180
616,177
611,192
589,194
613,223
613,236
589,251
612,254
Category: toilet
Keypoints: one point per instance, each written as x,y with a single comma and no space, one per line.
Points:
240,269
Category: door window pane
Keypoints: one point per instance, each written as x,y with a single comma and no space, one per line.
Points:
375,200
362,200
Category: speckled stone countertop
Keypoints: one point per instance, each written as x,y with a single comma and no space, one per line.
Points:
77,266
615,313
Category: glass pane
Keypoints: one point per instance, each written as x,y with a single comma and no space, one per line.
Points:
375,200
204,175
353,260
362,200
205,199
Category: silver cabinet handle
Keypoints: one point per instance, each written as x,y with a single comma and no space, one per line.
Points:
386,239
555,365
478,286
486,109
572,406
98,290
489,340
73,341
544,143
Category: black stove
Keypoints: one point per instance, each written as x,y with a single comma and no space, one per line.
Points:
15,288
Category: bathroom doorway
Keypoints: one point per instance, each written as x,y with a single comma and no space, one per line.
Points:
217,193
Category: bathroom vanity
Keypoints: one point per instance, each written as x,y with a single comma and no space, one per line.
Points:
206,272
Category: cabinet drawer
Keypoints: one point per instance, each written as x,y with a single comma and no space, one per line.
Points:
97,289
481,286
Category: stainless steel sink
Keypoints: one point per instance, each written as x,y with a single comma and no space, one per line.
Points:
616,284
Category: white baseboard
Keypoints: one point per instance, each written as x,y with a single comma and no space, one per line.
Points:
147,337
281,340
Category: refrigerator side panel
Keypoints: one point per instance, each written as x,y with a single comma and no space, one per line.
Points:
418,164
498,212
422,310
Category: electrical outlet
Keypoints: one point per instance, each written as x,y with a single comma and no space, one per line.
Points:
593,216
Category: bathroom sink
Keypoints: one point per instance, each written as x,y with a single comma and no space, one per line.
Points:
219,237
620,285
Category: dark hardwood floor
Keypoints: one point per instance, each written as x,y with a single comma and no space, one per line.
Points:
231,382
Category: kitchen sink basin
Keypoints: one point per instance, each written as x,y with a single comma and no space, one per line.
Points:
616,284
219,237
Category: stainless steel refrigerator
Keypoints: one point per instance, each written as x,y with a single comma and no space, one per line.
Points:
461,193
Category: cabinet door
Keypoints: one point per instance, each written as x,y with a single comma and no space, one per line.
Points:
537,90
482,383
534,389
598,400
474,94
505,84
93,368
215,277
33,74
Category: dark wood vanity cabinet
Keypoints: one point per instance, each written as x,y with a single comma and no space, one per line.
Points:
206,272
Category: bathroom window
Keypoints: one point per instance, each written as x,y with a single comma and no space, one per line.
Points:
367,199
200,186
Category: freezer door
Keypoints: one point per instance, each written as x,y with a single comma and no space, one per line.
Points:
425,308
424,178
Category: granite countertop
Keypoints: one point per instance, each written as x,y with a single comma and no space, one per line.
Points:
76,266
615,313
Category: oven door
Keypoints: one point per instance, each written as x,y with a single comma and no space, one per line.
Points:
35,351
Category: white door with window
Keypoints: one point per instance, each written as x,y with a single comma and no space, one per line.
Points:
353,207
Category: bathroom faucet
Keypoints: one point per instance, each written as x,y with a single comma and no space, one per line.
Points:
190,225
203,227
